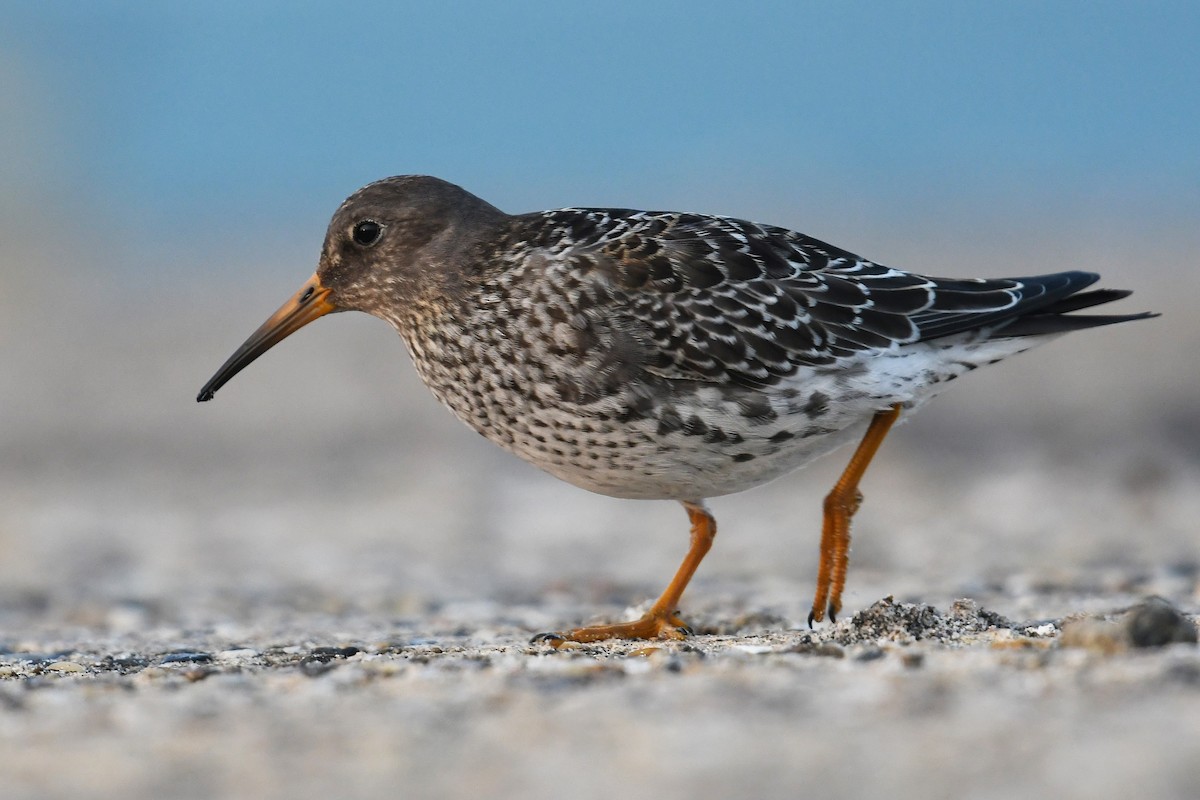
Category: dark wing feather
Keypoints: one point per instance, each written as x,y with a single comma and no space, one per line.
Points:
724,299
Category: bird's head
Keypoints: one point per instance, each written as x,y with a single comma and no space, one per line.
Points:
392,250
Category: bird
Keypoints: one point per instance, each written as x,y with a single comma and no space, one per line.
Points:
665,355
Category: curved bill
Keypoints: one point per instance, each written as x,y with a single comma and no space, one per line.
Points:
311,302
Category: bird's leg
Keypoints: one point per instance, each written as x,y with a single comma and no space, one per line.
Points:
661,621
840,505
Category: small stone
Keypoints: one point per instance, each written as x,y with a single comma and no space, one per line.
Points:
328,653
968,611
1040,631
66,666
186,657
125,662
1155,623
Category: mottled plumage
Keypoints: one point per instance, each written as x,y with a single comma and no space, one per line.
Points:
658,354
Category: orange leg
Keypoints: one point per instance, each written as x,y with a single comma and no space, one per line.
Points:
840,505
662,620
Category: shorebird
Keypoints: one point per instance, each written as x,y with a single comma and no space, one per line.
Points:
664,355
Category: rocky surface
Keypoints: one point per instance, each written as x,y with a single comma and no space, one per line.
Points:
922,701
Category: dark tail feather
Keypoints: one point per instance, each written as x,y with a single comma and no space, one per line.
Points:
1095,297
1052,319
1030,306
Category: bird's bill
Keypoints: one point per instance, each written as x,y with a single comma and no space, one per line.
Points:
311,302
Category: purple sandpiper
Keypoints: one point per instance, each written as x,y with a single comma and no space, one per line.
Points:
649,354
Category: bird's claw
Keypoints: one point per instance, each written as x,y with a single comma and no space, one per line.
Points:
831,613
555,640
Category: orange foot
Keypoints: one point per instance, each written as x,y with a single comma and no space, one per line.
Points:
651,626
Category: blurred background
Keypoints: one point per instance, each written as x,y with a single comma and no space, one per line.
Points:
167,172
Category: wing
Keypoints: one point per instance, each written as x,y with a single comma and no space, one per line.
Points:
720,299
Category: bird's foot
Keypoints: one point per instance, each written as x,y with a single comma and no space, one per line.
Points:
816,615
651,626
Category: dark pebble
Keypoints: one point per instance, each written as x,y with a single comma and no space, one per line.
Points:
186,658
327,653
125,662
1155,623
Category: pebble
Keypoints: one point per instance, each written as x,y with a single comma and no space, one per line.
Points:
1155,623
66,666
186,658
327,653
125,661
1044,630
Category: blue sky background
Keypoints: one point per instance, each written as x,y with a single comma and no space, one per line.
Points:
202,122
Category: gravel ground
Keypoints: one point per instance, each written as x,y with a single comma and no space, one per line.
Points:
902,699
320,584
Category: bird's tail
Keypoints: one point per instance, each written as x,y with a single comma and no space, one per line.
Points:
1008,307
1054,317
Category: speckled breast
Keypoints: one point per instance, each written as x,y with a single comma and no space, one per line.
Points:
649,440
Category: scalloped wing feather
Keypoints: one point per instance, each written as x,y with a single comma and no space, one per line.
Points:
718,298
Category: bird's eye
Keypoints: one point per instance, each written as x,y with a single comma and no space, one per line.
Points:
367,233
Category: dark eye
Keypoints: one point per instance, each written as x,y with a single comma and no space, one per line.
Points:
367,232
